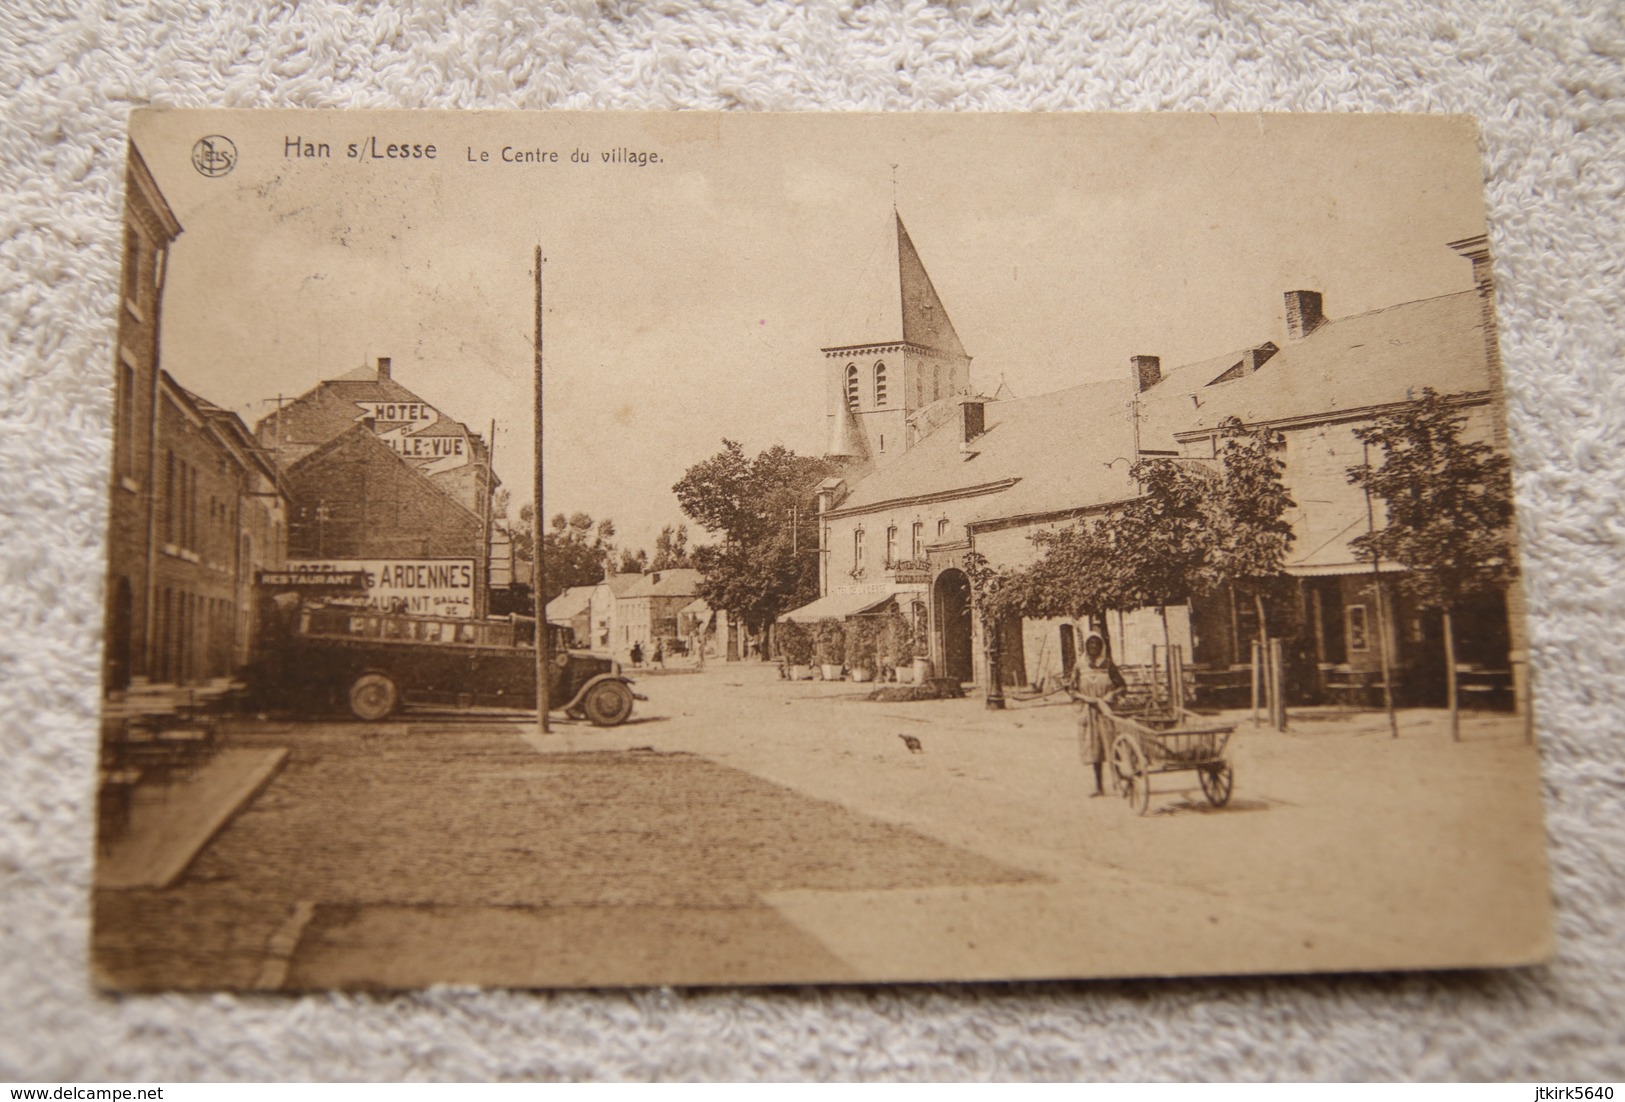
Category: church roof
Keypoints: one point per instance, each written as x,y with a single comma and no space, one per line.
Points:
845,439
892,299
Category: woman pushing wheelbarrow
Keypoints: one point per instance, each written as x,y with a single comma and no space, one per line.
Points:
1098,678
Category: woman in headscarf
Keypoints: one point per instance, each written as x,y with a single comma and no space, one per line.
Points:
1098,679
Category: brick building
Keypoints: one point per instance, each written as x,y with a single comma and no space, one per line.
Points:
218,516
194,507
357,504
150,227
384,482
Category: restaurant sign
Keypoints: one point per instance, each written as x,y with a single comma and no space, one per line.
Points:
424,587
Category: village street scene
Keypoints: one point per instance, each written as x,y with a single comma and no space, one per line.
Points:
1197,664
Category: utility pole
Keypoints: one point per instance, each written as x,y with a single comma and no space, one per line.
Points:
544,662
483,605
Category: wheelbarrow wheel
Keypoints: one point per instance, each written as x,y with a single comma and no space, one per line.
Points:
1217,782
1139,792
1124,763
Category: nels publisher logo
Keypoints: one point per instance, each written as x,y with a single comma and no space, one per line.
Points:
214,155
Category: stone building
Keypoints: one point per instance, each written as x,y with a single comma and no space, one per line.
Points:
984,474
646,612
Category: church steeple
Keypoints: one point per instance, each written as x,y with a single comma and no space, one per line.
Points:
925,319
902,356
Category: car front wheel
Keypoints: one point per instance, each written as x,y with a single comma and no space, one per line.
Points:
608,703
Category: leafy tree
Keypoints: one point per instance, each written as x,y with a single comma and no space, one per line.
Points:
576,550
987,585
1077,575
633,562
1247,509
671,549
1449,513
765,511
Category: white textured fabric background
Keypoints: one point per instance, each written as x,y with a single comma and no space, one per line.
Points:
1546,79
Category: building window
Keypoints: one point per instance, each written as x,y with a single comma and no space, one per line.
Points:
1359,637
169,496
132,267
880,384
126,419
917,548
891,544
936,382
857,549
852,386
942,528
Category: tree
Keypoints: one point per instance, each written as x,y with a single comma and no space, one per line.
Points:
765,511
987,585
1448,505
671,549
576,551
1248,507
633,562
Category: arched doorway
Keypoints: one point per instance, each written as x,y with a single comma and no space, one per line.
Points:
951,600
120,626
1069,649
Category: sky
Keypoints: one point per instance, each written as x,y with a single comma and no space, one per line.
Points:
686,298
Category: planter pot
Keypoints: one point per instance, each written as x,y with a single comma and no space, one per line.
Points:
831,672
800,673
923,670
905,674
861,675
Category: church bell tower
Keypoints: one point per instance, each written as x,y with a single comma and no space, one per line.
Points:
903,367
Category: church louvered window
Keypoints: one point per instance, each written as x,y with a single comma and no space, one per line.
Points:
852,386
880,384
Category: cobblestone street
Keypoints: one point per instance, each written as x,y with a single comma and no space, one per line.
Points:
745,829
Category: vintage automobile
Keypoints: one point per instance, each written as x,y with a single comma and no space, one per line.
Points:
337,655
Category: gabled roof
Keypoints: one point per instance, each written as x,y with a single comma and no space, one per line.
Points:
620,584
228,429
1348,364
361,436
680,582
1050,453
1072,449
569,604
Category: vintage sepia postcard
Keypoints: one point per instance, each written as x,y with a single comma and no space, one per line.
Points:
964,547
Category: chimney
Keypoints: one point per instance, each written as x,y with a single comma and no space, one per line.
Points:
1147,371
1477,250
1303,314
383,367
973,413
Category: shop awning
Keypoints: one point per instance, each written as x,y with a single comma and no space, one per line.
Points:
1331,569
836,606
